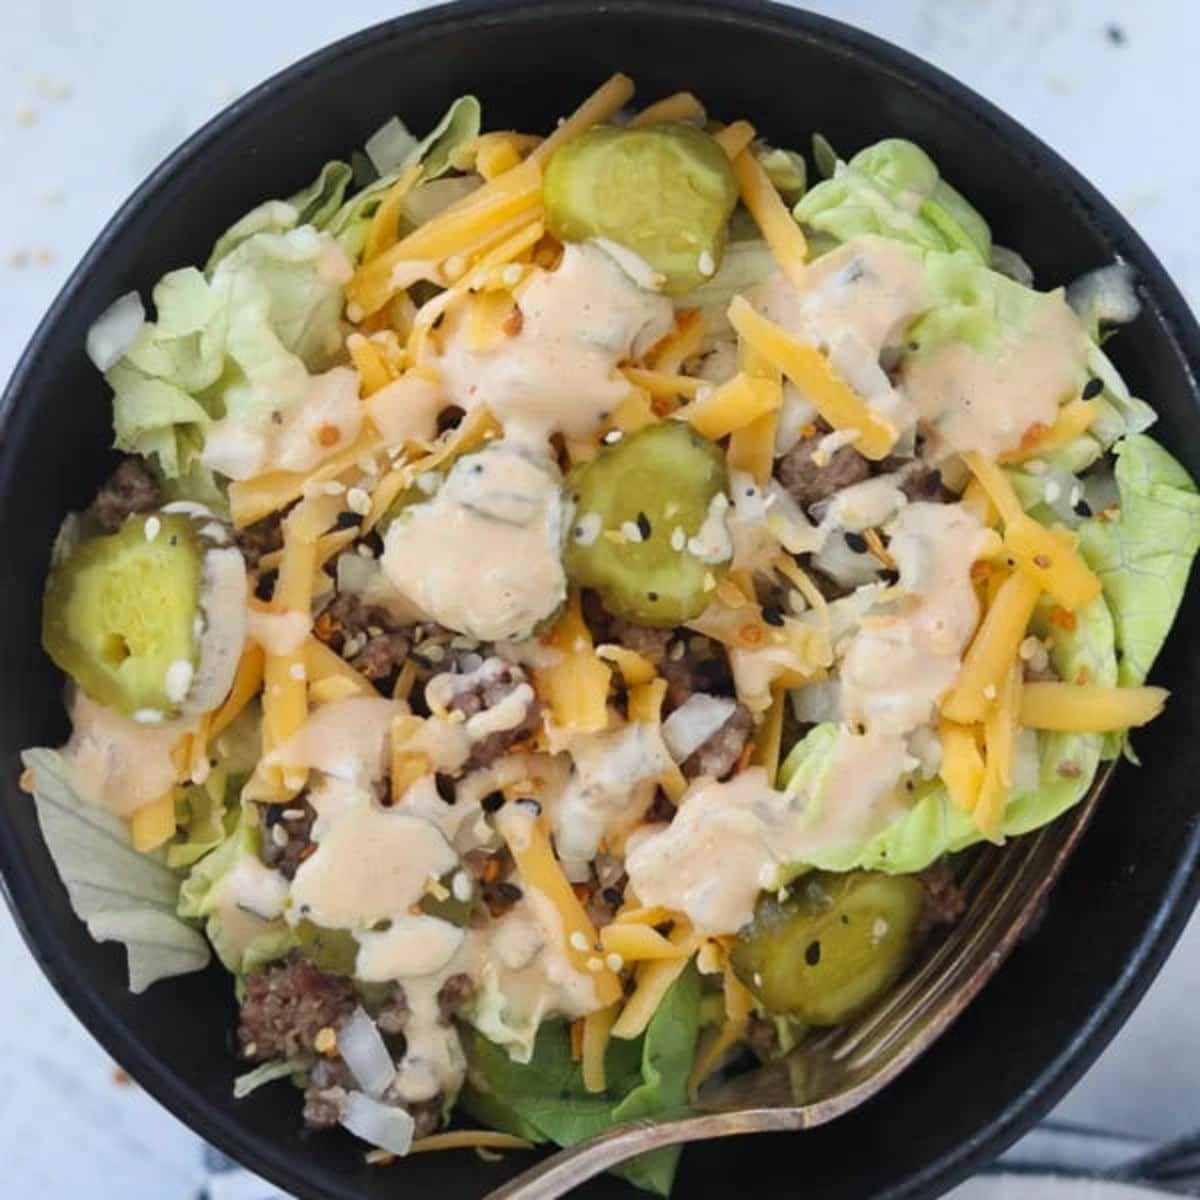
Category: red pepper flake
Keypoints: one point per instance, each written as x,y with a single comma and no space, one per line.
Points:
1041,560
1082,676
1061,619
329,435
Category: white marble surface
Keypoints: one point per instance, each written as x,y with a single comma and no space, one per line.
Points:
92,96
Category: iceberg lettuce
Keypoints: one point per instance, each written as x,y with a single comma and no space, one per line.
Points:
893,188
545,1100
119,894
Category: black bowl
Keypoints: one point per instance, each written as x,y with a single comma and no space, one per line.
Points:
1123,900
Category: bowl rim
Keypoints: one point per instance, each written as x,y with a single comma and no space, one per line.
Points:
1089,1039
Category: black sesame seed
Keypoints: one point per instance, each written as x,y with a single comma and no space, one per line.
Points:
812,953
1115,34
1083,508
772,615
1092,388
445,787
643,524
492,802
909,785
611,896
855,541
272,815
347,519
264,586
652,596
448,418
509,891
845,918
374,541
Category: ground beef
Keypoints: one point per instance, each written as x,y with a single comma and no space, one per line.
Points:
393,1016
366,636
651,644
807,482
426,1115
944,900
287,834
453,994
287,1006
263,537
719,754
484,689
130,489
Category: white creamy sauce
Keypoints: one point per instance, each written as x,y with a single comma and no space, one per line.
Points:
558,374
482,556
405,410
372,865
120,764
346,739
610,789
255,888
410,947
311,417
712,542
278,633
986,401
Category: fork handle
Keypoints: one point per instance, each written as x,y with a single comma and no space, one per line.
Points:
559,1173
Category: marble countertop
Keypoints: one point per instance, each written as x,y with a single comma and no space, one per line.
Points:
93,95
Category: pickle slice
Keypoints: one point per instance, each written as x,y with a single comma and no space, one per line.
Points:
663,191
640,507
333,951
120,615
830,948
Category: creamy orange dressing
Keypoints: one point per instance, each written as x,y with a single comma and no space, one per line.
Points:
411,946
345,738
405,410
309,418
120,764
985,401
482,555
558,373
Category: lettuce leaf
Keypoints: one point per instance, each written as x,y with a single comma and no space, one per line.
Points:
893,188
933,826
119,894
201,817
269,1072
1144,557
545,1100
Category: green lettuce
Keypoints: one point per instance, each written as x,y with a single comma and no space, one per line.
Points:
1144,556
893,188
119,894
232,933
545,1100
203,819
933,826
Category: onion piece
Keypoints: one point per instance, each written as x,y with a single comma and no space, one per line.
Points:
816,703
694,722
390,145
1105,296
379,1124
223,603
361,1045
113,331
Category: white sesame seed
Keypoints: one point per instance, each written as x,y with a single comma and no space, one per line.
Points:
595,964
879,929
704,391
151,528
1028,648
758,979
705,264
198,626
579,942
354,312
614,962
279,836
293,814
295,782
613,436
178,679
511,275
631,531
1052,490
460,887
358,501
148,716
1035,466
678,538
989,692
365,551
297,671
334,487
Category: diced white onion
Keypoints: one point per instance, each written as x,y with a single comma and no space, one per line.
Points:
1105,295
383,1126
694,722
361,1045
113,331
1026,768
816,703
390,145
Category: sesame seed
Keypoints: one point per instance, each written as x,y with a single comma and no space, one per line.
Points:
151,528
1092,388
630,531
511,275
855,541
148,716
879,929
579,942
492,802
613,436
1052,491
772,615
334,487
364,551
358,501
643,524
460,887
1083,509
292,814
705,264
178,680
989,692
346,520
678,538
297,671
614,962
279,835
595,964
296,782
1041,560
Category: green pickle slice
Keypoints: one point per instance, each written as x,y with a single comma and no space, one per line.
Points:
120,614
834,945
655,482
664,191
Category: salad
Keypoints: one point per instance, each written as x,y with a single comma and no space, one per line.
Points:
569,605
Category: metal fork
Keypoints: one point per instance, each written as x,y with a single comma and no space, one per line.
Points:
827,1076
